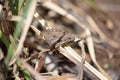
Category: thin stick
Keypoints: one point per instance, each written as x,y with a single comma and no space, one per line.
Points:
35,74
80,75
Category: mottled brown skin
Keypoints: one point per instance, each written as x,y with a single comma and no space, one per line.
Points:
52,36
57,37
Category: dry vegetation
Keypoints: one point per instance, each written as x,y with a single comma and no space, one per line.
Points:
59,40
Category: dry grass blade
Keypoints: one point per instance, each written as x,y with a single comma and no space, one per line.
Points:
74,57
62,78
25,30
81,44
63,12
92,53
36,30
1,54
39,63
3,22
14,18
102,35
35,74
16,74
45,26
